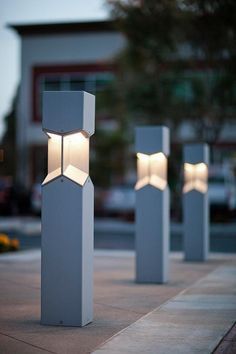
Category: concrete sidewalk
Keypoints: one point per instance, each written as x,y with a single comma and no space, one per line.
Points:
192,322
118,303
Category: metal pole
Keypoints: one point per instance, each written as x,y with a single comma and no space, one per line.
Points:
67,210
195,202
152,205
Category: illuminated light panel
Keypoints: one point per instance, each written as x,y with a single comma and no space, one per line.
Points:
54,156
68,156
196,176
75,174
142,182
52,175
76,152
152,169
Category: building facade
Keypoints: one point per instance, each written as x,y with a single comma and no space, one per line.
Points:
76,56
70,56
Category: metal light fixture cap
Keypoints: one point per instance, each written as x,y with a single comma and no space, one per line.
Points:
152,139
196,153
68,111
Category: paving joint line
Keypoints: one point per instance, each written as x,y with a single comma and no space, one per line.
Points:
120,308
32,345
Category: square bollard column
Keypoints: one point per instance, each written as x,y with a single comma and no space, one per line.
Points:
67,211
152,205
195,202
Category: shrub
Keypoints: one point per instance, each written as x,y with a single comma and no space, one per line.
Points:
6,244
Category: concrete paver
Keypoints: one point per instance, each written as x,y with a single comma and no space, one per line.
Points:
228,343
188,323
118,301
12,345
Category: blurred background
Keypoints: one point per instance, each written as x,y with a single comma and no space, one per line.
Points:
170,62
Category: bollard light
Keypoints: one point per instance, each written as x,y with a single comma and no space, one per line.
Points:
152,204
67,210
196,214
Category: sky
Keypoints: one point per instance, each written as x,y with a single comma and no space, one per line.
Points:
33,11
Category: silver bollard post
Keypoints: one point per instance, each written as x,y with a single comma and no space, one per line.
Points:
195,200
67,210
152,205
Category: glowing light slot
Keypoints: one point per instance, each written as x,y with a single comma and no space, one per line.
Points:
152,169
68,155
54,156
75,157
195,176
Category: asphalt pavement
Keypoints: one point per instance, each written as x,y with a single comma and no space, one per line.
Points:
117,234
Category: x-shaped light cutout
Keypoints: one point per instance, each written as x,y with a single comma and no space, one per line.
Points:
152,169
195,177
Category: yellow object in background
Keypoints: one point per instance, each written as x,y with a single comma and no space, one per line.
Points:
6,244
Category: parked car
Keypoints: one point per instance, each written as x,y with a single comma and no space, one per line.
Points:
222,190
120,201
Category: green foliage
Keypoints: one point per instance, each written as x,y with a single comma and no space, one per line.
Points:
108,162
179,62
212,27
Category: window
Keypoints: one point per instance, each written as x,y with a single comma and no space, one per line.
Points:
90,78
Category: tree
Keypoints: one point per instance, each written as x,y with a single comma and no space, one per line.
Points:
146,91
216,41
179,62
178,65
109,145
